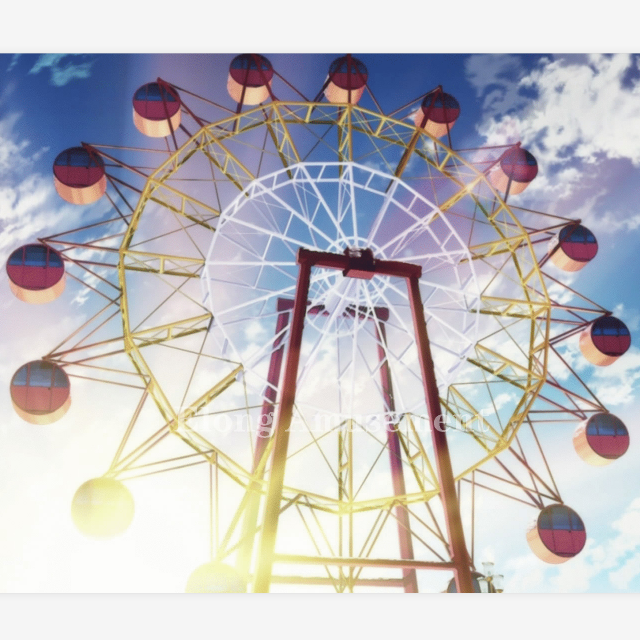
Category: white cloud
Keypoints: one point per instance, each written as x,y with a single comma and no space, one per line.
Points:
500,401
255,331
582,110
14,61
524,574
494,78
631,317
579,113
22,194
560,293
616,384
62,72
587,212
610,222
621,578
26,212
13,156
575,576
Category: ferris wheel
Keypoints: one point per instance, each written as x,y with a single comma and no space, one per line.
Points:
341,315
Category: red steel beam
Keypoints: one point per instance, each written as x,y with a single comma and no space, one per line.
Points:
363,562
455,532
395,458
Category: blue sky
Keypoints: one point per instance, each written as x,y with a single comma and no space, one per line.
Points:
578,115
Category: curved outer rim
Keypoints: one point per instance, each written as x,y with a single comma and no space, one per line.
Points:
165,170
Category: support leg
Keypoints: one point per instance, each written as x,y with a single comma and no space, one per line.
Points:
455,532
281,435
395,459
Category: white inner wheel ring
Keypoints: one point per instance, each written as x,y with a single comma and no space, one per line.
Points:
329,207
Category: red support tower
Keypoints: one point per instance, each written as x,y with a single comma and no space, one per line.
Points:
361,264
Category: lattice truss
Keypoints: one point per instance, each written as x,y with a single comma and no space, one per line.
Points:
186,275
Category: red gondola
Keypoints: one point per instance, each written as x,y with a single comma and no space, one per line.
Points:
573,248
516,170
601,439
36,273
347,80
40,392
156,109
557,535
605,340
102,508
250,77
215,577
79,175
438,113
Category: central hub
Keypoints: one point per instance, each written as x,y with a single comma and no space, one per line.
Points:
361,263
349,283
345,293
